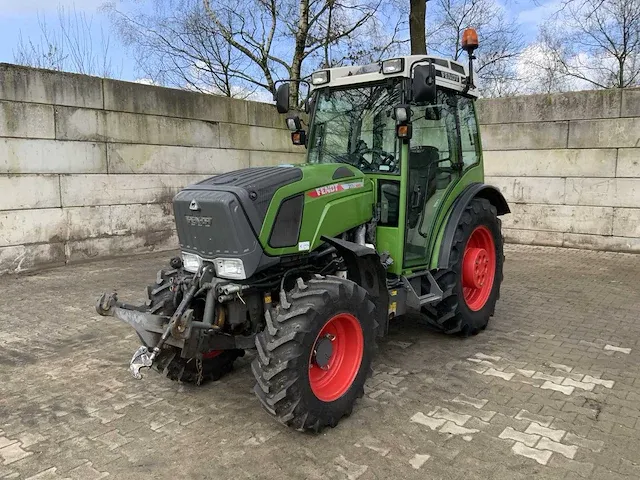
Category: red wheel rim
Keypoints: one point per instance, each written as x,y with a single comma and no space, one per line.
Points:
347,348
478,268
212,354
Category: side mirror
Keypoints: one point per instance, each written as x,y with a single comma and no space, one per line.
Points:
282,98
424,83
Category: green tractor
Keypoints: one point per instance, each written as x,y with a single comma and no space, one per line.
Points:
308,264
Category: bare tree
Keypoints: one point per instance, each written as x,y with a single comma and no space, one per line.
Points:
500,40
417,26
596,42
68,45
178,45
240,48
258,29
539,70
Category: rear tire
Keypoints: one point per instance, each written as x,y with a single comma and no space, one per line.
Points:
163,301
315,354
471,284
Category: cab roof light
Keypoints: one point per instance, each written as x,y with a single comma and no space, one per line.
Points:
394,65
320,78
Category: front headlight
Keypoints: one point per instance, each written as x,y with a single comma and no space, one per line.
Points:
191,262
230,268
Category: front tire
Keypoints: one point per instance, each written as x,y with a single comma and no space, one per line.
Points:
471,284
214,365
315,354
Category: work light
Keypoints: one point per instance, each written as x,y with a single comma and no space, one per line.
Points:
320,78
293,123
394,65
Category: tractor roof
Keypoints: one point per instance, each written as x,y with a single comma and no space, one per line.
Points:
450,74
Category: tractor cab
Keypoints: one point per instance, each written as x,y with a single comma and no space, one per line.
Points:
409,124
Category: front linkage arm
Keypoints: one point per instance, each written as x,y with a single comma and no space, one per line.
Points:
157,330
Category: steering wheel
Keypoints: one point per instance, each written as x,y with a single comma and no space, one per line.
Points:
385,157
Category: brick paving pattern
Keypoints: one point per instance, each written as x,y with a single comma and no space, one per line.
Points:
551,389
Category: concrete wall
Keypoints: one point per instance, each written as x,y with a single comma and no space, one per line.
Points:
88,167
569,164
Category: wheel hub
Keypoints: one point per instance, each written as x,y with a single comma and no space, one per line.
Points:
323,351
476,267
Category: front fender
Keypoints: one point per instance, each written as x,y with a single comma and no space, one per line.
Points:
365,269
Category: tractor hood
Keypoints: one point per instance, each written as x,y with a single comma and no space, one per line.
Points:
259,214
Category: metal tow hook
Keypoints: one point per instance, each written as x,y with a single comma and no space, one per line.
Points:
141,359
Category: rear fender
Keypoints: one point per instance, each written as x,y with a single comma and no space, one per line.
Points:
475,190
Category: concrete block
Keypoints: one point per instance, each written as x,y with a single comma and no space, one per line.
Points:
265,115
615,132
264,158
626,222
29,191
630,102
560,218
19,227
24,84
26,120
551,107
18,155
96,125
131,128
81,124
88,249
150,100
628,163
530,190
605,243
21,258
127,158
525,136
109,220
88,190
551,163
255,138
532,237
611,192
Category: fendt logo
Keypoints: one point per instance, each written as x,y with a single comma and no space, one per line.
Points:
336,187
198,221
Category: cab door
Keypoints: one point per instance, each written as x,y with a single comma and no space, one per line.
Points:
435,165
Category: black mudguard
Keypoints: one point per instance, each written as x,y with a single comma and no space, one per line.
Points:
365,269
475,190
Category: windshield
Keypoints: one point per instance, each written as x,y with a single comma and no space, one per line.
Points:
355,126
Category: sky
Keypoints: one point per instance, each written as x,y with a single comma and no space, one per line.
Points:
22,17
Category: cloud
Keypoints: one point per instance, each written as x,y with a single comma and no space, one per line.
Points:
12,7
539,13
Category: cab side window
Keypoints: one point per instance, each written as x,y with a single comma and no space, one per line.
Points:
468,132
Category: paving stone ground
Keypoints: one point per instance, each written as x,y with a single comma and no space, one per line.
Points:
551,389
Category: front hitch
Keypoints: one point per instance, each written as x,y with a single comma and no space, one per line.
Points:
150,328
